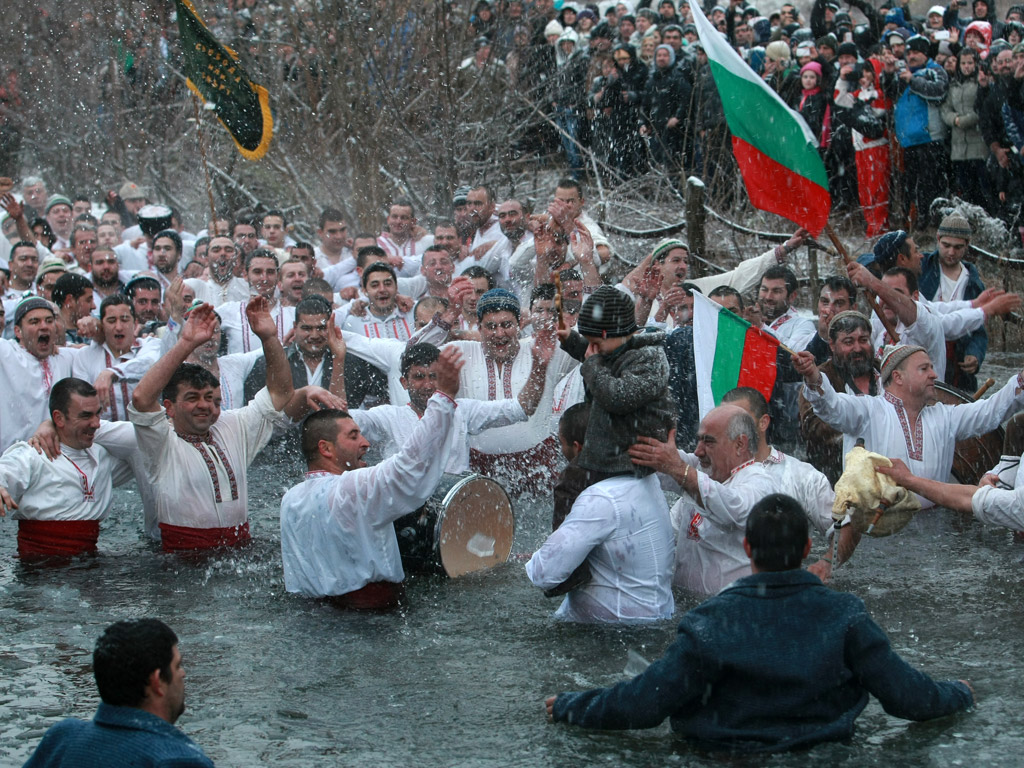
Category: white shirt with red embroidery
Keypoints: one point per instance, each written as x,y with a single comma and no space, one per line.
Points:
397,325
926,446
481,379
411,251
130,367
25,383
216,294
709,539
792,329
204,486
235,325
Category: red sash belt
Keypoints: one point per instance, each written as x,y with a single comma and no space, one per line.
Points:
176,538
57,538
375,596
532,470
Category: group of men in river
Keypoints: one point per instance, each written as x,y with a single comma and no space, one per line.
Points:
494,345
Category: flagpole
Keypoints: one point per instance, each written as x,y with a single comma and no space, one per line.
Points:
872,299
206,170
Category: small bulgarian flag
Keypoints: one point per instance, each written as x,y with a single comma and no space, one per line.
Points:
731,353
774,147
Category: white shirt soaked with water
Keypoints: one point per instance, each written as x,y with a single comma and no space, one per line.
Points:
709,539
337,534
25,383
185,494
621,527
130,367
805,484
926,447
77,485
1002,506
235,325
390,425
481,379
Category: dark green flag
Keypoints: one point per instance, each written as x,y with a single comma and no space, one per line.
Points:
216,76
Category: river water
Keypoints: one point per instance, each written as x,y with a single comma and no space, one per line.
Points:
458,676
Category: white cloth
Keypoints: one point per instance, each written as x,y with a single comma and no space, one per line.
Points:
56,490
411,251
805,484
390,426
709,540
414,287
337,534
234,370
185,491
235,325
118,438
342,275
130,367
216,295
621,527
792,329
999,506
568,392
481,379
346,259
928,331
25,383
926,447
952,290
495,259
386,355
136,259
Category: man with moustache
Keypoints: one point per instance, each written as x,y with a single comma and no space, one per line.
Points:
837,295
261,272
222,287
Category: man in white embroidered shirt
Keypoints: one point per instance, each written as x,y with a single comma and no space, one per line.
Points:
337,534
196,456
906,422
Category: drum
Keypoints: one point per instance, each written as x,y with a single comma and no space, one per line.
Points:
974,456
466,526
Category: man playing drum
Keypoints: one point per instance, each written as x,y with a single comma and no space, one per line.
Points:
337,537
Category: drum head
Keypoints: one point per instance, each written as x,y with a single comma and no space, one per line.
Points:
476,527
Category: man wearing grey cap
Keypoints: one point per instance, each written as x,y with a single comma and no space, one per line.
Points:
906,422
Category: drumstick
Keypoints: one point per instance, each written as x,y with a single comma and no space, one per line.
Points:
984,388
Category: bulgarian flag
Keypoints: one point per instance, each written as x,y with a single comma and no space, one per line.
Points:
731,353
775,149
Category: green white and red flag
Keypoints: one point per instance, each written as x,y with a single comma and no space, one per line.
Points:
731,353
775,149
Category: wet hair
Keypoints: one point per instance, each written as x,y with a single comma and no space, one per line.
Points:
316,286
726,290
419,354
274,212
370,254
116,300
742,423
329,214
69,284
189,375
840,283
125,656
200,242
777,533
403,202
312,305
542,292
171,235
439,304
303,245
909,276
320,425
60,395
378,266
24,244
144,283
486,188
757,402
476,272
436,249
76,230
573,424
567,183
779,272
47,230
261,253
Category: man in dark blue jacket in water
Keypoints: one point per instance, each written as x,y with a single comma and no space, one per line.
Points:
773,662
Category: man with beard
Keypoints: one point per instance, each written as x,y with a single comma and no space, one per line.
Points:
390,425
166,255
106,280
906,422
243,233
497,368
29,367
837,295
849,369
775,296
59,504
222,287
261,272
145,293
117,363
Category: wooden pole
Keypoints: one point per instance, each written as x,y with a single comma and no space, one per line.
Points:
876,307
206,170
695,220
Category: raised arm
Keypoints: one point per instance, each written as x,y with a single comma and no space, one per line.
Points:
196,332
279,375
543,350
904,306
